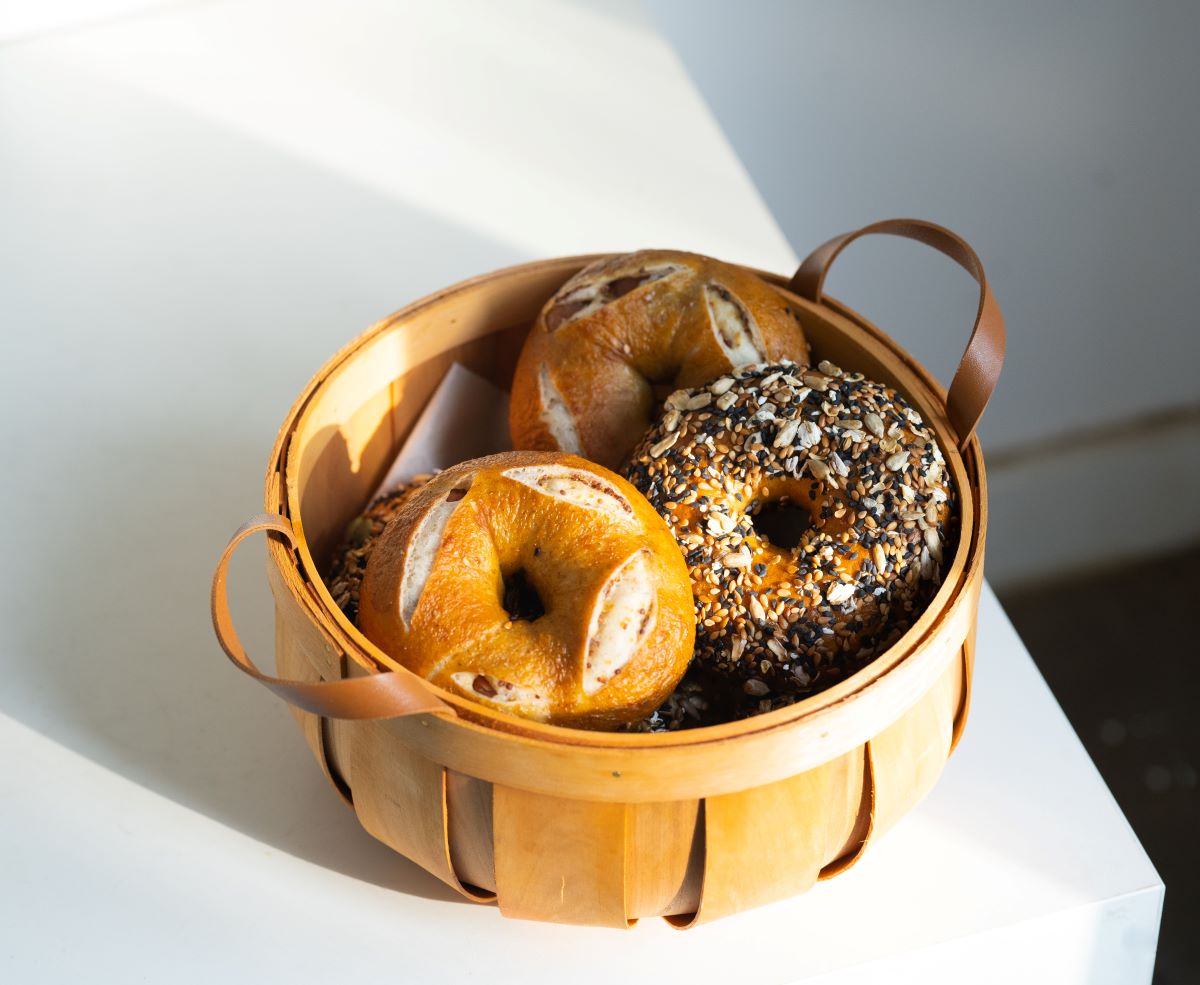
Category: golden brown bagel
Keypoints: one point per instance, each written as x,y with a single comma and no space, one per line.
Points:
586,377
862,478
539,584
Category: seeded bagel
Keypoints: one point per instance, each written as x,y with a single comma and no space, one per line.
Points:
535,583
350,558
860,478
624,326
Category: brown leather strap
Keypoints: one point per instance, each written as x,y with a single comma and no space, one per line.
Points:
383,695
977,373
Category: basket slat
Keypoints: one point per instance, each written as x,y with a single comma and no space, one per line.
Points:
772,841
664,858
469,826
304,653
400,798
560,860
908,756
967,674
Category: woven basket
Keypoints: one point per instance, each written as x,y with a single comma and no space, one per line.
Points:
602,828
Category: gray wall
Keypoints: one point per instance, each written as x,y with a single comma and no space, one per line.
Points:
1063,140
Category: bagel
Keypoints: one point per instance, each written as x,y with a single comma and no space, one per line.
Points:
534,583
856,471
586,378
350,558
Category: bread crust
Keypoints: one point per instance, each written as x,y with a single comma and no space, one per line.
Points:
629,325
617,630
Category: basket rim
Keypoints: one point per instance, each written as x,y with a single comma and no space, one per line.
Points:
967,468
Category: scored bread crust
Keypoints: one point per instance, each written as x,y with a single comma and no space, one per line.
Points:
620,328
617,630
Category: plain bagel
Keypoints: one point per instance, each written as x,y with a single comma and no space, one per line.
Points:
536,583
627,325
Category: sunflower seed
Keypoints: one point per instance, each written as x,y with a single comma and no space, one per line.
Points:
776,648
671,420
879,558
664,445
928,567
699,400
809,434
736,559
739,645
720,386
934,543
756,609
839,593
726,400
828,368
839,466
767,381
720,524
786,434
897,461
818,468
756,688
816,381
874,424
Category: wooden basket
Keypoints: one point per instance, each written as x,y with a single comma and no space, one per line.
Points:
601,828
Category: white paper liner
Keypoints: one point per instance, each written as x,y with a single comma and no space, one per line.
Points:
467,417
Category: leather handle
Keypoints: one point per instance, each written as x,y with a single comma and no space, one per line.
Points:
977,373
382,695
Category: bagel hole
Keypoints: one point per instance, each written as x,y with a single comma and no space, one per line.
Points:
783,523
661,390
520,599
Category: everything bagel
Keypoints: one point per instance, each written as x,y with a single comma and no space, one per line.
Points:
858,469
622,327
540,584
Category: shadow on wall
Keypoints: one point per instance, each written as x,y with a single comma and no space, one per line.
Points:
1065,150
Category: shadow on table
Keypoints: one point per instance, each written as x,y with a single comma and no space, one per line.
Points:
230,286
135,681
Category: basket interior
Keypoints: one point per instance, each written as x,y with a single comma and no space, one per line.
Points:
360,408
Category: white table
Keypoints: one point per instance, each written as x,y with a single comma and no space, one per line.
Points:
199,204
